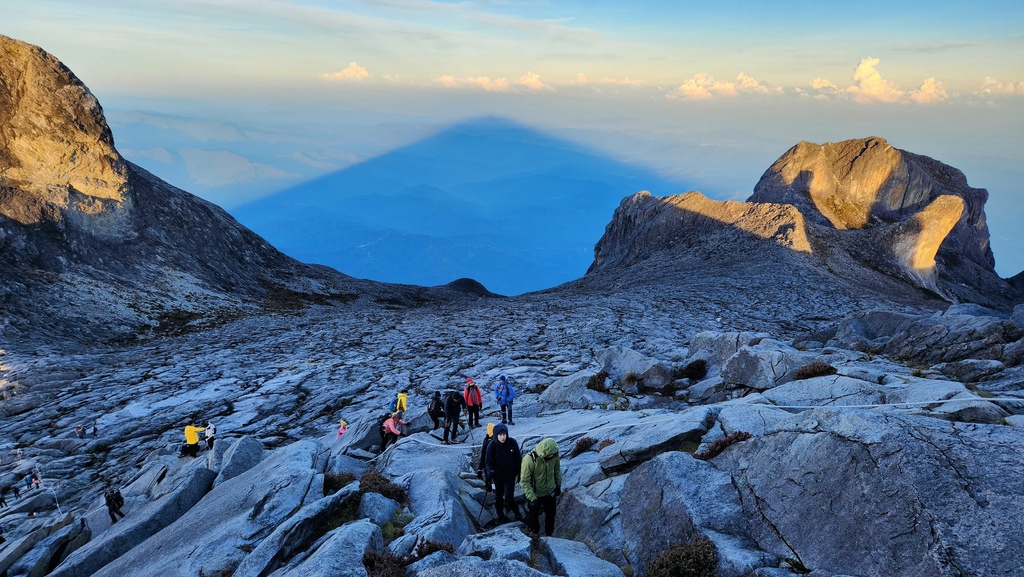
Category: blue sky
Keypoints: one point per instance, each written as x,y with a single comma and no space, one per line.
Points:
234,99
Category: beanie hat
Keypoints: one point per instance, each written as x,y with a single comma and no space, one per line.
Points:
469,381
501,377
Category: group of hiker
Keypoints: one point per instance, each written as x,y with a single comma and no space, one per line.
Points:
446,411
502,464
191,446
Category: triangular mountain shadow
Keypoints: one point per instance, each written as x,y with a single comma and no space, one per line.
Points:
512,207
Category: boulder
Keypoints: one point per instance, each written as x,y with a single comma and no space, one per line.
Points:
861,492
339,554
504,542
620,361
948,338
763,367
664,432
295,533
830,390
718,347
591,516
571,392
674,497
434,499
377,508
574,559
970,370
421,452
243,455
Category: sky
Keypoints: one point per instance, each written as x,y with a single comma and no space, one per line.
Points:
236,99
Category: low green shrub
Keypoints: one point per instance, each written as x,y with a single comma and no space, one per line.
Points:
374,482
583,445
720,445
815,369
696,558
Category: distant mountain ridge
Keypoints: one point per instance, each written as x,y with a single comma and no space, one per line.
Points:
464,202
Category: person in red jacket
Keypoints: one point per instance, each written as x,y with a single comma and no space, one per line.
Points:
474,402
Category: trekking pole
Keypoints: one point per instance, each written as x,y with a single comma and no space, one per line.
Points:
483,502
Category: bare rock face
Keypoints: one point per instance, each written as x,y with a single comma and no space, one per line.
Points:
867,184
57,155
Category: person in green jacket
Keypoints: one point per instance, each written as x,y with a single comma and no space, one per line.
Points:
541,479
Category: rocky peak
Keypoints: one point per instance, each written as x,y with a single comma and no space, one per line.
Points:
865,183
57,156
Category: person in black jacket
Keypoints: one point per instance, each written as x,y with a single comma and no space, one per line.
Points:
112,497
435,410
454,405
503,464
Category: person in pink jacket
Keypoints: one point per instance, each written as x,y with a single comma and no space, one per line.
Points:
391,431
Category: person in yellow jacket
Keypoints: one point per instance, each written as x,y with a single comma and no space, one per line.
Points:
400,402
540,476
191,448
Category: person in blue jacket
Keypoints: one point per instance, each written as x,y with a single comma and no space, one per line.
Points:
504,394
503,463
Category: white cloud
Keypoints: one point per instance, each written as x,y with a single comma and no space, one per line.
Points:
581,78
871,87
930,92
747,84
532,81
627,81
991,86
822,84
485,82
161,155
353,72
702,87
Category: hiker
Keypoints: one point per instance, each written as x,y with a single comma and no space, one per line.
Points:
112,497
398,404
481,468
504,394
95,430
191,446
211,432
453,407
504,463
435,410
16,491
390,431
541,480
3,497
36,481
78,431
342,429
474,401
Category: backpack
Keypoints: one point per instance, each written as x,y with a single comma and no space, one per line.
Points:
435,407
380,425
118,499
393,405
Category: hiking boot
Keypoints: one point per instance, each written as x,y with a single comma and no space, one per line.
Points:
510,422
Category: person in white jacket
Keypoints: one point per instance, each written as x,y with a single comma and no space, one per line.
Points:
211,432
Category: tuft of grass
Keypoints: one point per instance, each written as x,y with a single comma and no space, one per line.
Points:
383,564
597,382
605,443
335,481
814,369
714,449
428,546
631,378
374,482
582,446
695,558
